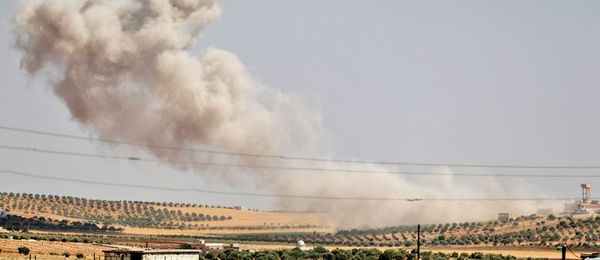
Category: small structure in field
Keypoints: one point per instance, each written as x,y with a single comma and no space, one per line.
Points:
214,246
151,254
301,245
202,245
503,216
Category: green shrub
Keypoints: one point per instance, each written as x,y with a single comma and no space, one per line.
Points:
23,250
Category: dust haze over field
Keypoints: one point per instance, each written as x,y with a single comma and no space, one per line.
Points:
124,71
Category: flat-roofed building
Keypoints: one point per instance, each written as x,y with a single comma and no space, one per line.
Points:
151,254
503,216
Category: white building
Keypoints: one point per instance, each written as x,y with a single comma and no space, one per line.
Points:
214,246
301,245
150,254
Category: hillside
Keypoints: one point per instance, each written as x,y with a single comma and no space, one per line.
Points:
525,231
148,217
71,214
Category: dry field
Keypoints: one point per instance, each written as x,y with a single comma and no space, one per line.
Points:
256,221
258,218
228,231
170,218
42,249
240,218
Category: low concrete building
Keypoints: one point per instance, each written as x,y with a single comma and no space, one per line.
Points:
503,216
202,245
214,246
151,254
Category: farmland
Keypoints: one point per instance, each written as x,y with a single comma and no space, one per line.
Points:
157,218
58,250
524,232
49,213
49,249
52,224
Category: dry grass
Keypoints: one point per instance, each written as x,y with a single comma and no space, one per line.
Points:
42,249
229,231
258,218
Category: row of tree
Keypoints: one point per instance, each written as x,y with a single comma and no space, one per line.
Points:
18,223
581,232
137,214
340,254
83,201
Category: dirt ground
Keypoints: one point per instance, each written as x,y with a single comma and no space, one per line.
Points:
241,218
156,231
43,249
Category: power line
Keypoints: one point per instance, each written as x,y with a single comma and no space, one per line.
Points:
295,158
271,195
288,168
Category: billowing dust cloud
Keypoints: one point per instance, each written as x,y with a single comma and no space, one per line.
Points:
124,70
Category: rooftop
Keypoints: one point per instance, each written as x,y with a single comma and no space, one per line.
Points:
153,251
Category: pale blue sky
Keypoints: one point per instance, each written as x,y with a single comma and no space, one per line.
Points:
498,82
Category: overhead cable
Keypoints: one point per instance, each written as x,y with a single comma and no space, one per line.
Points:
295,158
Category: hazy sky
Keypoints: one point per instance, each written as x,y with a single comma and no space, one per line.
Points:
495,82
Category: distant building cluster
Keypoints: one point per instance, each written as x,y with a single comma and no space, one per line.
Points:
151,254
169,254
585,205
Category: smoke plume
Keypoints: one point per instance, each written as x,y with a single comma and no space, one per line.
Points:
124,71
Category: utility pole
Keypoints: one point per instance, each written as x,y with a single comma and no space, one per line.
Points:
563,250
314,239
419,241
